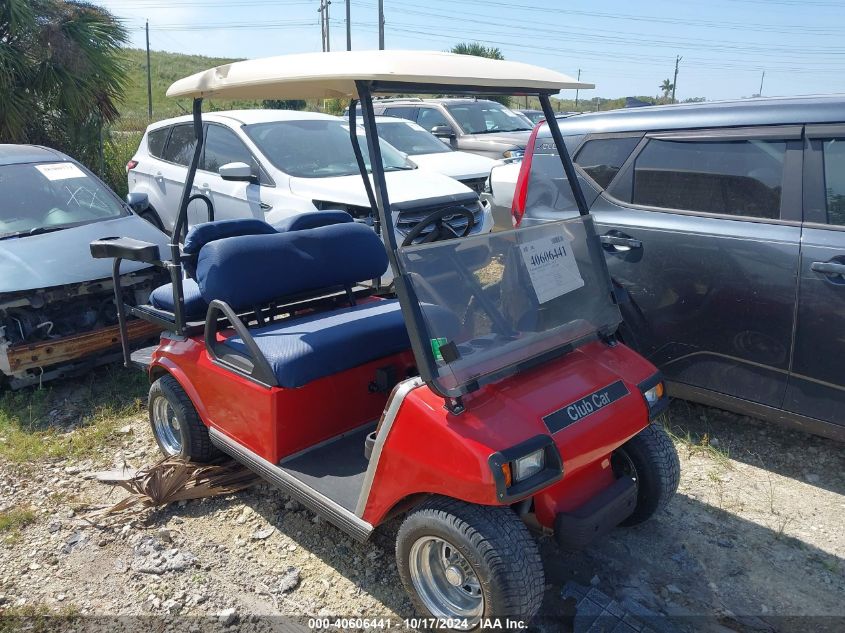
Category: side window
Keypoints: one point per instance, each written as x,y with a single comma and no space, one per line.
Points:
742,178
180,145
601,158
431,117
402,112
222,146
156,140
834,179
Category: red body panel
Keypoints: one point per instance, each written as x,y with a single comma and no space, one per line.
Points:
275,423
430,450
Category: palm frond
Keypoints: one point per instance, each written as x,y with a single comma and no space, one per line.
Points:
172,479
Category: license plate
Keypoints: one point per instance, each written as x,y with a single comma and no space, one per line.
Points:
586,406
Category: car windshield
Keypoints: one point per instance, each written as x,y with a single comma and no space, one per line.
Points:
535,116
317,148
42,197
491,303
410,138
484,117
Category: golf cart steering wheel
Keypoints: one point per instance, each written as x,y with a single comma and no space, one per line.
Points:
441,230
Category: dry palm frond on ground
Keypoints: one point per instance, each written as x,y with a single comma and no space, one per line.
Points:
172,479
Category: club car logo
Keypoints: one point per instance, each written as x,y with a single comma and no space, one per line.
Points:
587,405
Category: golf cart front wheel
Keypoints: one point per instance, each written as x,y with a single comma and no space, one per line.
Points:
177,427
463,563
651,460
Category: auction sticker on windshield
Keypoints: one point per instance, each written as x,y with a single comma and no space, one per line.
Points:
60,171
551,266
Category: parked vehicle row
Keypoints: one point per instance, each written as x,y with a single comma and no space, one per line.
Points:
724,226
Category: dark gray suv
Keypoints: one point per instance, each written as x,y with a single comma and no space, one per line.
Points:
723,226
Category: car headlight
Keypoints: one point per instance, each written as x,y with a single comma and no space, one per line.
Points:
531,464
516,152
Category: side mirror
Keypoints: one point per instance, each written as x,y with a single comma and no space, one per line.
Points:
443,131
138,202
239,172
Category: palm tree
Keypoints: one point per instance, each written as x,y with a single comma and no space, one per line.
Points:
477,49
480,50
61,73
666,87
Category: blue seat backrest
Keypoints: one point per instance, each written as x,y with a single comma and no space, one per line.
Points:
311,220
201,234
256,269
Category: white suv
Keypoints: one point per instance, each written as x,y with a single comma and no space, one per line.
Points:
278,163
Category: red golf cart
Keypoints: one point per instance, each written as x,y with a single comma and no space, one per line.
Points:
483,391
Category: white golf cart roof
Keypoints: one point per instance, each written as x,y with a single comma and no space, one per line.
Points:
333,75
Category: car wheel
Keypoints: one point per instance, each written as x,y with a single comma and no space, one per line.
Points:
177,427
464,563
649,458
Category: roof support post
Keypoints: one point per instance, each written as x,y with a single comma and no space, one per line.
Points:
408,299
362,165
566,159
180,229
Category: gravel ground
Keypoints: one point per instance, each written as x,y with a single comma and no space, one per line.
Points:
752,542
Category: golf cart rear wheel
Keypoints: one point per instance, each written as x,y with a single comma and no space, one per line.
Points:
461,563
176,425
651,459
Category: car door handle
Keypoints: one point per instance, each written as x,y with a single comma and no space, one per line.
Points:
265,207
620,242
828,268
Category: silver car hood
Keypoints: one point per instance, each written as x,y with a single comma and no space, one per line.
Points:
63,257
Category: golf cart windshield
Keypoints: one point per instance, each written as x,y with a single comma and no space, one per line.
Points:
520,295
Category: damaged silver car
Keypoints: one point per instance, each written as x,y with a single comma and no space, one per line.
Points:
57,309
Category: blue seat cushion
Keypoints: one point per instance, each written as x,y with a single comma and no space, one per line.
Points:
195,306
306,348
311,220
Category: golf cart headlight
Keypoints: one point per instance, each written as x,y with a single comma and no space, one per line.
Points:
653,395
516,152
531,464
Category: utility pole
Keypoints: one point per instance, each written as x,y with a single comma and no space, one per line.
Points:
324,24
381,25
675,80
149,75
348,25
761,83
322,27
576,90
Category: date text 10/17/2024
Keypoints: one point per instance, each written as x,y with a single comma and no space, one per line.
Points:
386,624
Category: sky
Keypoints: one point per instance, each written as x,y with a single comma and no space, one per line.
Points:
624,47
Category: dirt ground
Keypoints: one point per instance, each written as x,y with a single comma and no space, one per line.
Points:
754,541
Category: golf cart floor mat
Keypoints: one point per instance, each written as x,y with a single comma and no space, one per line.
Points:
335,468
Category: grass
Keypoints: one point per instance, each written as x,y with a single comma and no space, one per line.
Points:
70,418
15,519
37,618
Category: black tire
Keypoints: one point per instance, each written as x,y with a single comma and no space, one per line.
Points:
650,457
195,444
493,541
151,216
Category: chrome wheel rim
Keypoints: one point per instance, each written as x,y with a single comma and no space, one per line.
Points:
166,426
445,581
